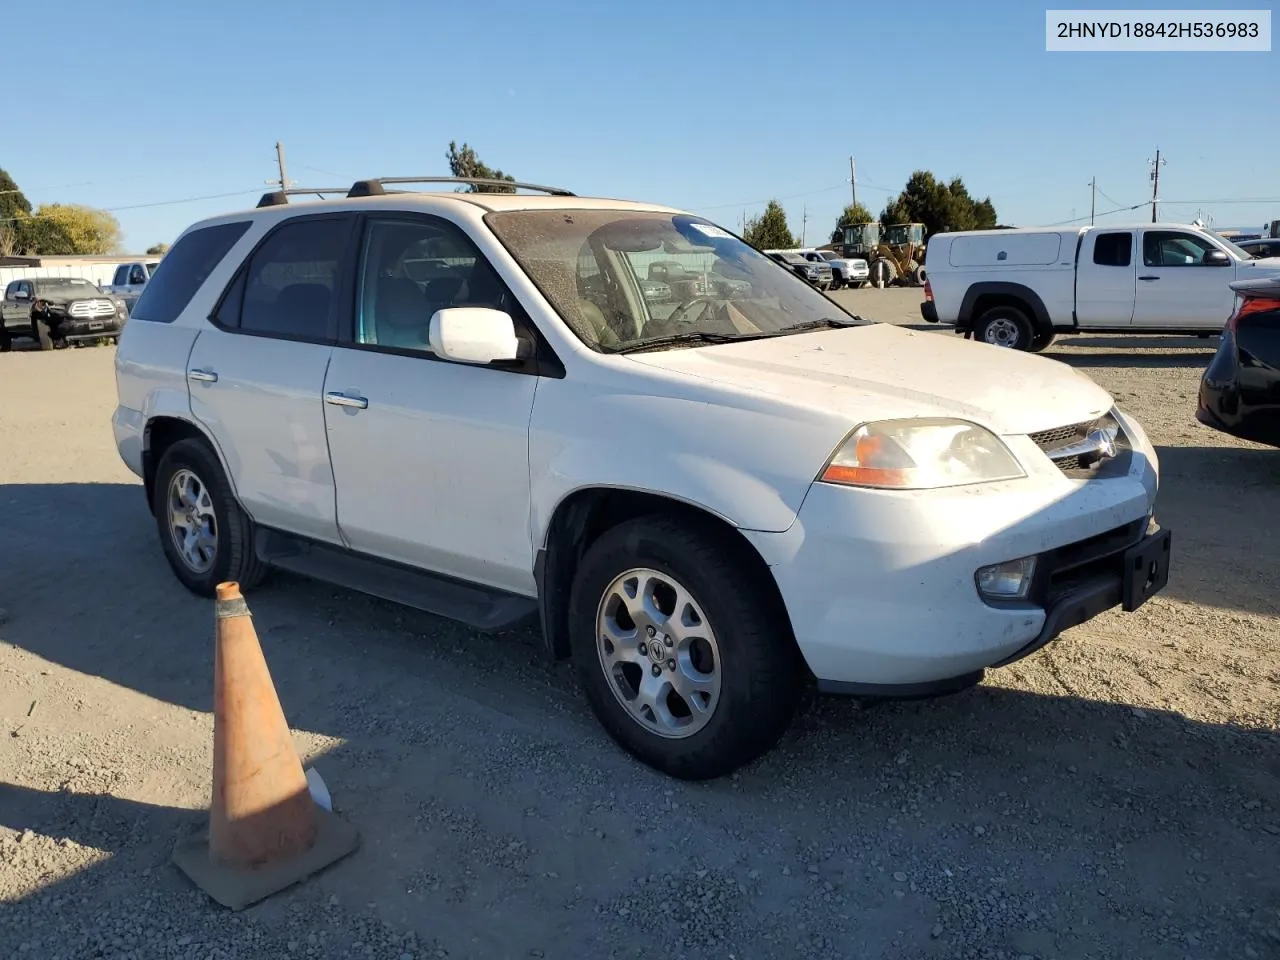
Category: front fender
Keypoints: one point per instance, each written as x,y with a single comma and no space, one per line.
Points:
745,467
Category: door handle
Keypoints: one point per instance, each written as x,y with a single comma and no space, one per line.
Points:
204,376
343,400
1148,278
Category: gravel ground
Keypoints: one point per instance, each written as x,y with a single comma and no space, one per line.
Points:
1113,796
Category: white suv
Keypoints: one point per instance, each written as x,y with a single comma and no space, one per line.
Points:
464,402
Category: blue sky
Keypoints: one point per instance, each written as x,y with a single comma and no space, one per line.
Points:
714,107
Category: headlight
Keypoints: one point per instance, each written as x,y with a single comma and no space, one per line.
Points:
921,454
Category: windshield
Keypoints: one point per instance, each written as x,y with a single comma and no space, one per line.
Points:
65,287
591,263
1237,251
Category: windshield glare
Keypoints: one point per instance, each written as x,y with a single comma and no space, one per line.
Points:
621,278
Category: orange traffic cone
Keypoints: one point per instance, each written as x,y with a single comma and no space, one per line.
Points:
265,831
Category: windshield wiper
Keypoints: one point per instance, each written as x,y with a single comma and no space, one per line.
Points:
693,336
817,324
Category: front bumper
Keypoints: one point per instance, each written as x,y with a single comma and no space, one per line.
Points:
88,328
880,585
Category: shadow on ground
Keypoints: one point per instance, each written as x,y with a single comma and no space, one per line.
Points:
499,821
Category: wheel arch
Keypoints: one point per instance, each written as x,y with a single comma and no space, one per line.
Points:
582,516
981,297
162,432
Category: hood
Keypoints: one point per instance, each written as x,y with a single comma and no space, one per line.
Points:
880,371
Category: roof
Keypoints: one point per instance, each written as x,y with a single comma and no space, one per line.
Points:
408,200
1147,225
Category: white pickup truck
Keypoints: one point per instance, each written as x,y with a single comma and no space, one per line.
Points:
845,271
130,279
1019,288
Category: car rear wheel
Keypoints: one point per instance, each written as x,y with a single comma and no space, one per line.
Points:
684,655
205,535
1004,327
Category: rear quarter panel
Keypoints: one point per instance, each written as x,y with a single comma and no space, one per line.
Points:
1042,262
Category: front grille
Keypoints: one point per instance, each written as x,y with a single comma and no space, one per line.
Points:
1048,440
1057,442
84,309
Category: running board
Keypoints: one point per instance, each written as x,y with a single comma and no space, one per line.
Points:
482,608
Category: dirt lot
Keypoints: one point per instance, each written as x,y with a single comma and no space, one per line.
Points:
1115,796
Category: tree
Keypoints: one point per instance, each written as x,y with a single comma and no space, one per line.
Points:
157,250
769,231
853,213
464,163
939,206
15,208
67,228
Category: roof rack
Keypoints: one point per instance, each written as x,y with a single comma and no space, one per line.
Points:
374,188
278,197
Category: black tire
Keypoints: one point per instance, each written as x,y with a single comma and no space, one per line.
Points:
1043,340
761,669
6,340
234,556
41,333
1008,326
836,283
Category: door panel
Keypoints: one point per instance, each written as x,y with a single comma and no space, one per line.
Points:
265,412
1175,289
256,376
431,458
1105,278
434,470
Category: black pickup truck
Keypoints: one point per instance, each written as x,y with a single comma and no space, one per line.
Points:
57,311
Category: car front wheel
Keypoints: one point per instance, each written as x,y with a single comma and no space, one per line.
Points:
205,535
685,656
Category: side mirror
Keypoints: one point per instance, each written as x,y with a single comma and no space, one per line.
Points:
473,335
1215,258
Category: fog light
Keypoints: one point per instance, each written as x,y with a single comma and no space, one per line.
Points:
1010,580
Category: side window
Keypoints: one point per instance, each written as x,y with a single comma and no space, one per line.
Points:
1113,249
187,267
136,275
1172,249
412,268
10,290
291,286
121,277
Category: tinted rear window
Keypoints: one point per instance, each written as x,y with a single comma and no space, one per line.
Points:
182,271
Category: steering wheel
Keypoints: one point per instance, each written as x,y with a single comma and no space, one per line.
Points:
678,313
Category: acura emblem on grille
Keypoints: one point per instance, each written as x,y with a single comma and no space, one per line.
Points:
1104,447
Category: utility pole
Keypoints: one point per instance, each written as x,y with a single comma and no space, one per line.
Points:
1156,164
284,181
853,181
1093,204
804,223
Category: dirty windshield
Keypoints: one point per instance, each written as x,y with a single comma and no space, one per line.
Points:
65,287
627,280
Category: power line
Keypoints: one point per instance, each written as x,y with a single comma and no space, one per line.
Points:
793,196
140,206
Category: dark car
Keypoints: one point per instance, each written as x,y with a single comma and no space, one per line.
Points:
818,274
57,311
1240,389
1262,247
